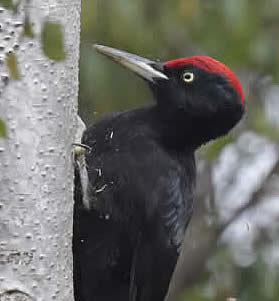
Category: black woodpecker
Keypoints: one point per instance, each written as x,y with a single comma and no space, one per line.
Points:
134,191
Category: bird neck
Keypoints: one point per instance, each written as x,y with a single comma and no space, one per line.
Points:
185,131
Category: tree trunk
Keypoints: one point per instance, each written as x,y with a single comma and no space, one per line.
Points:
36,172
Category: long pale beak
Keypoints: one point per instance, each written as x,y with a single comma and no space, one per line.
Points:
143,67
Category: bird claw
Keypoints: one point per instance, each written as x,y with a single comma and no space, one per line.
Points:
78,155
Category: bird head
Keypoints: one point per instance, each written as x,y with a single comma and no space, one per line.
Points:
197,94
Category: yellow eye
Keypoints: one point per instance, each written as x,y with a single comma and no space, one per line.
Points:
188,77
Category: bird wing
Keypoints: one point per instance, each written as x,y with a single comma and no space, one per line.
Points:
176,206
133,288
166,194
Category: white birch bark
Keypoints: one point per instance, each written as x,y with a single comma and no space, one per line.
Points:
36,172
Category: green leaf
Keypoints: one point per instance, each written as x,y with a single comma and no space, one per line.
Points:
8,4
28,30
3,130
52,41
262,125
213,149
11,61
195,294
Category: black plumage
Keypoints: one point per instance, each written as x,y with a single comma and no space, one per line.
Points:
130,219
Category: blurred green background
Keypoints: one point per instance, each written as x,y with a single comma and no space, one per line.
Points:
244,34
